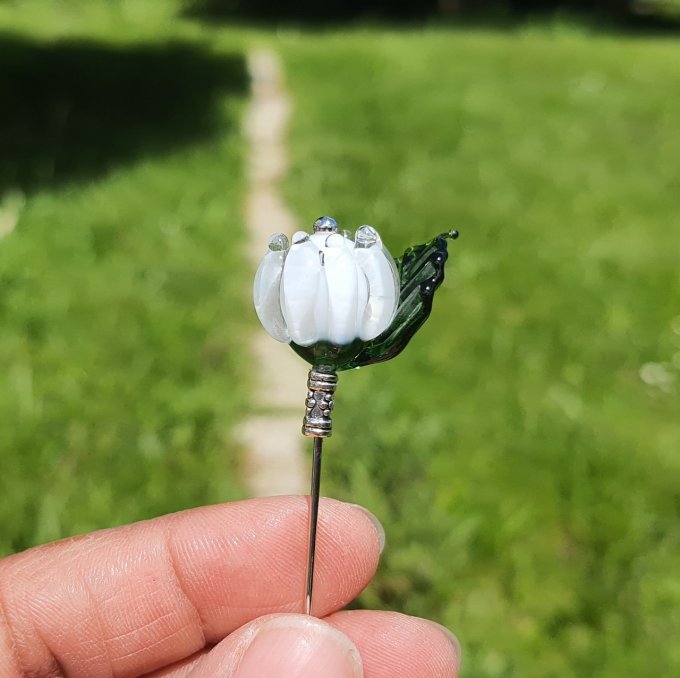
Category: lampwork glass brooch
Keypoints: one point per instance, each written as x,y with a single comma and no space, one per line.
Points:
341,301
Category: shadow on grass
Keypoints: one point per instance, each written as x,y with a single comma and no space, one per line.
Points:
500,16
73,110
310,12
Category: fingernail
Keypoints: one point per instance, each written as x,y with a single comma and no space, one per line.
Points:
301,646
380,530
450,636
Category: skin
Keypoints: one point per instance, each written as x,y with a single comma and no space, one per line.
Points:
214,591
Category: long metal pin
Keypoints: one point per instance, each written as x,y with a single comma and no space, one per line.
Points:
313,520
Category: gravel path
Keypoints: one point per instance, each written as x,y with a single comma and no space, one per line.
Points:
275,461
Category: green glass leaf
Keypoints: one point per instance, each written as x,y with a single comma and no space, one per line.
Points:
421,272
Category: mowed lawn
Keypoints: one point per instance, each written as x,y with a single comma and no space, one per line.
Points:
524,453
124,286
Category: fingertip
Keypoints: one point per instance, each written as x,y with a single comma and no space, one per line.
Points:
376,524
283,645
134,598
394,644
451,638
354,532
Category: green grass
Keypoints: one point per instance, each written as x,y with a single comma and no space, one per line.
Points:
527,475
123,304
522,453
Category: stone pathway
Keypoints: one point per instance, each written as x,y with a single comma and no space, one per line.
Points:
275,460
11,205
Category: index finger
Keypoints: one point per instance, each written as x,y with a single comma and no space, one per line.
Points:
129,600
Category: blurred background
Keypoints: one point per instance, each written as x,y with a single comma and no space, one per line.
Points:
524,453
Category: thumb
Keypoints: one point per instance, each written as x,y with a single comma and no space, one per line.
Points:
286,645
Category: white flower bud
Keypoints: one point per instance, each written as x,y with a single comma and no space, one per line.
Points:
326,287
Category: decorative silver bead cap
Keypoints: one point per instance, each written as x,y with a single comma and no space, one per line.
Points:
320,389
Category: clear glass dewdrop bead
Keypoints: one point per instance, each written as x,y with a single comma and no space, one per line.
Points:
366,236
278,242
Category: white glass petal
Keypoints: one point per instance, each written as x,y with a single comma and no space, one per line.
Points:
336,240
299,237
299,284
321,307
319,239
383,290
362,297
266,295
341,275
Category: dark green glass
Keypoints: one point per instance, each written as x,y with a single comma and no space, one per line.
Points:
421,272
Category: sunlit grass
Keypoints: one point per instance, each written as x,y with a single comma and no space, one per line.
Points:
525,463
123,283
523,452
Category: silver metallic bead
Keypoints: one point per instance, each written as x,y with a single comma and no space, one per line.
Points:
321,386
325,224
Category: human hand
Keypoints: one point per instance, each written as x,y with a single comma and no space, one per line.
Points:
211,592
